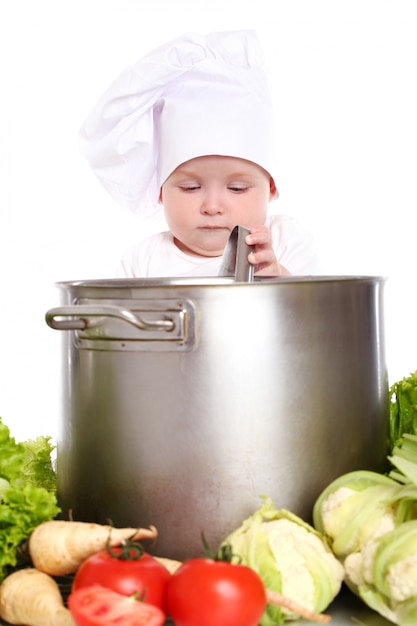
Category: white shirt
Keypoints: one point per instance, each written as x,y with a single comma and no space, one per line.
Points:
158,257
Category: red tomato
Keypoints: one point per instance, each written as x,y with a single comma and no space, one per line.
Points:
143,575
99,606
204,592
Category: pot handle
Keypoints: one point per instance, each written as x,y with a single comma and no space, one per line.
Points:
85,316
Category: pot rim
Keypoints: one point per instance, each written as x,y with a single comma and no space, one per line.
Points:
215,281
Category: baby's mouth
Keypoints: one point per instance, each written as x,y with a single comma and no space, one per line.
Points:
214,227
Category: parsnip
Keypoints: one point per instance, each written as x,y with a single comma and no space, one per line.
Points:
273,597
171,564
33,598
59,547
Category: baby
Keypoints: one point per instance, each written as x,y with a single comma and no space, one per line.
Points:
190,127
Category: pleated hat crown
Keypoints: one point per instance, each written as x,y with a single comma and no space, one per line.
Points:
194,96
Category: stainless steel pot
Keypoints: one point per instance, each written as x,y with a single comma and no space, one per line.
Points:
185,400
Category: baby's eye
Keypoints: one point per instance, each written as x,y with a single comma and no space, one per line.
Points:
190,187
237,188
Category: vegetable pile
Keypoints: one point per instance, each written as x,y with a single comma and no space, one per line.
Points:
31,595
274,568
113,580
126,586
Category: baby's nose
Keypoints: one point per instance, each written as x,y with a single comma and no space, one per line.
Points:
212,204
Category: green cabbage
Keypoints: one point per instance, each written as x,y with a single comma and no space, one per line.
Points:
291,557
27,493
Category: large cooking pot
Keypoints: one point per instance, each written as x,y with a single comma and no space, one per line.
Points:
185,400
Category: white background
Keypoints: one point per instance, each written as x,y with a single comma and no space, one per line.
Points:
344,79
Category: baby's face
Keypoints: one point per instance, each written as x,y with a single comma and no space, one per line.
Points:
206,197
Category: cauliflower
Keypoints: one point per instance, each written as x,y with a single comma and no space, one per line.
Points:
370,521
355,509
353,565
384,574
333,523
402,579
287,541
291,557
359,566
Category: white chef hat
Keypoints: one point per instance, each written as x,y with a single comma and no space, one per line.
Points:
194,96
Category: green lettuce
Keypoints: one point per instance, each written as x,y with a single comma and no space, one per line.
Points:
27,493
403,408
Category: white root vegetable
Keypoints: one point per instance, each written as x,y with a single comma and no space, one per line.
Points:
272,597
171,564
33,598
59,547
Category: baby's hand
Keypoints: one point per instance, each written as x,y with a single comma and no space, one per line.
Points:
263,255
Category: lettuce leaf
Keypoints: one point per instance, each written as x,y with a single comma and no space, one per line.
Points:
403,408
27,493
37,466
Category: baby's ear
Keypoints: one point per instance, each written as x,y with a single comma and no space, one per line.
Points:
272,189
160,196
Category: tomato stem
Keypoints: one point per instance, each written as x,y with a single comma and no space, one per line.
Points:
224,552
138,598
129,550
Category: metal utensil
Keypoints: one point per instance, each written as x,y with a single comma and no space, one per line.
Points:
235,259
